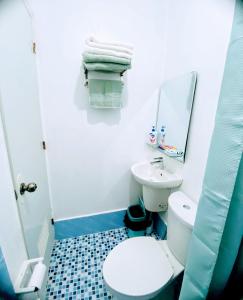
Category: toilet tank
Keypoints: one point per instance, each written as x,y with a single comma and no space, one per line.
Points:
181,217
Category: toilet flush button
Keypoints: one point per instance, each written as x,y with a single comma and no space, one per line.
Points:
186,206
183,207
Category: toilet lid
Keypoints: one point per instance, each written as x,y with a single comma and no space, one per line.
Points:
136,267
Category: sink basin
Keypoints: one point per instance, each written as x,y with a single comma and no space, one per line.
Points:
157,184
153,176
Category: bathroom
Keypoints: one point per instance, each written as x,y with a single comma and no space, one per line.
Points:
66,176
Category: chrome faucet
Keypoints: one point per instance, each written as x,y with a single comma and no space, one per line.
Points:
159,161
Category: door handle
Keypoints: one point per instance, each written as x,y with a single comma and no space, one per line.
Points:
30,187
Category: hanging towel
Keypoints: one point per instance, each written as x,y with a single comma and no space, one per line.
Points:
101,58
108,46
105,90
106,67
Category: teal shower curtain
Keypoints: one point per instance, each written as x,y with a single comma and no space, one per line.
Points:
218,229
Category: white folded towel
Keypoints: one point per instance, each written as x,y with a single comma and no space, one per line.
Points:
96,50
91,42
113,43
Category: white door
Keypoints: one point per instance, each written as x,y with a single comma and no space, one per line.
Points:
22,122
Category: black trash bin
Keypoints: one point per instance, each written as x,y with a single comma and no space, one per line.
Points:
137,219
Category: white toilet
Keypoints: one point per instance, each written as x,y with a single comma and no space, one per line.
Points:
141,267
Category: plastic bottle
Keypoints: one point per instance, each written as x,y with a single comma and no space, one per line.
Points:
153,137
162,137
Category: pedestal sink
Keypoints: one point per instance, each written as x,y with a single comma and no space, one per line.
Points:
157,183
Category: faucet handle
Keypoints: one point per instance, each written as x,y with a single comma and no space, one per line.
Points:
158,158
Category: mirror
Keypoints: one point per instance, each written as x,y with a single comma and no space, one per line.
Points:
174,113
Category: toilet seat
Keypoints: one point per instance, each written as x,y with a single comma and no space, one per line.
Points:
137,267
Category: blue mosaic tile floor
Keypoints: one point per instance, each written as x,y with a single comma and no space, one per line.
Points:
76,266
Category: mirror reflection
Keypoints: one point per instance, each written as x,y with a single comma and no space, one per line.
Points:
174,112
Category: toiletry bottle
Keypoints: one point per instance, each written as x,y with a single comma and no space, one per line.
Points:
162,137
153,137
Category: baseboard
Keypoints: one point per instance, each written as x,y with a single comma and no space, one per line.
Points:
75,227
90,224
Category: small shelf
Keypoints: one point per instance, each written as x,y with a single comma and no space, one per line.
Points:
152,146
173,155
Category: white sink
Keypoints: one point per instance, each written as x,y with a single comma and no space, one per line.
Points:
156,183
153,176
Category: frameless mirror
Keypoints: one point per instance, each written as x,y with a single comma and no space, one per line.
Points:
174,112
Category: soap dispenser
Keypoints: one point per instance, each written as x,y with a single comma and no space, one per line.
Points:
153,137
162,137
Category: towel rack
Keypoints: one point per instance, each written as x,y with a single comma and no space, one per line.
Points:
86,76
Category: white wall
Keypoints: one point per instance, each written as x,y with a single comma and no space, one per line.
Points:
11,239
198,38
90,151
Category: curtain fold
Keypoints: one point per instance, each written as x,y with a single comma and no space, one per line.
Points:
231,240
218,229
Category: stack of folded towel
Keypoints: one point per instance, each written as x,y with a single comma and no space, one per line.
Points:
105,62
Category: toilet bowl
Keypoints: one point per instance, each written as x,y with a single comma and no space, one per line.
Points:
142,267
139,268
